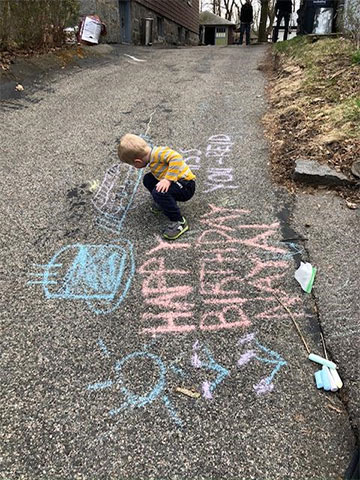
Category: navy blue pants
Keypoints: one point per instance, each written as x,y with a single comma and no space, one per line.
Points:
180,191
245,28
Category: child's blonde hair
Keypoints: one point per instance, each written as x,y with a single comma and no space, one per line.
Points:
132,147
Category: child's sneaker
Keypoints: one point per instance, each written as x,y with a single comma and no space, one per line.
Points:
155,208
175,229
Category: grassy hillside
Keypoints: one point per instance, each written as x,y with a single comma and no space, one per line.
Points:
314,94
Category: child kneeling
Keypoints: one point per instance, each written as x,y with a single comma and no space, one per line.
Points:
169,181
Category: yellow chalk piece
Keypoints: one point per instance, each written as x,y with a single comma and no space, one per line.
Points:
94,185
187,392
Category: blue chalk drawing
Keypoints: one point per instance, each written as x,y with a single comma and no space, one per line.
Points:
272,358
294,249
99,274
132,400
210,364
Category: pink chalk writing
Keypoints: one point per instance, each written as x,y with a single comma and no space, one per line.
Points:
172,302
232,276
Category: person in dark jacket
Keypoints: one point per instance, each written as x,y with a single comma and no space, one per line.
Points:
246,19
283,9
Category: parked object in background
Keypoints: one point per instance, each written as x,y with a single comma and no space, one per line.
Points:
90,29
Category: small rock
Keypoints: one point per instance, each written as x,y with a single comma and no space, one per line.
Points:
19,87
312,172
351,205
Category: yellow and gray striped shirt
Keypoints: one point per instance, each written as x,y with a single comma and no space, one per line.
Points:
166,163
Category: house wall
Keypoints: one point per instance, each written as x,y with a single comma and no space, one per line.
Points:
180,20
174,33
183,12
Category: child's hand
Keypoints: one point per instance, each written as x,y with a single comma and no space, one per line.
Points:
163,185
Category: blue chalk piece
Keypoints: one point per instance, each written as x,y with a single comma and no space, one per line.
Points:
318,379
325,379
321,360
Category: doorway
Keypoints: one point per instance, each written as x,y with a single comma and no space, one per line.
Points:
125,25
209,35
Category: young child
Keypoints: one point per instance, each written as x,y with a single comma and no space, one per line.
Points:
169,181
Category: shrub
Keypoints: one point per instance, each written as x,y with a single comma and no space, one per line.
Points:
34,24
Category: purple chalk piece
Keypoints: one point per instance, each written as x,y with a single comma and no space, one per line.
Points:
263,387
247,339
195,361
206,391
246,357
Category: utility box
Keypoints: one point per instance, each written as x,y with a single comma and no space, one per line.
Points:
148,30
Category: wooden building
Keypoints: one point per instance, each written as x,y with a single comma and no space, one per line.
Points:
215,30
174,22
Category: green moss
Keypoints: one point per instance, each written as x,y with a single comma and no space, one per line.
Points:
355,57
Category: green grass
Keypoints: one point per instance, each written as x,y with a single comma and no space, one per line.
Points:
309,55
324,64
355,57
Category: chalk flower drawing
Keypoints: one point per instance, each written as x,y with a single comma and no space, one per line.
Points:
272,358
197,360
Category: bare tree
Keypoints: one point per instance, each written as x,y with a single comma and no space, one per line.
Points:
352,21
229,8
263,20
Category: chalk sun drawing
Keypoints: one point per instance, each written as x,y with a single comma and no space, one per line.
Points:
98,274
132,400
272,358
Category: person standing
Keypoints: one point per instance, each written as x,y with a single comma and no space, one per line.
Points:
246,19
283,9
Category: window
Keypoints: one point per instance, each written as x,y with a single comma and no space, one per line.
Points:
160,26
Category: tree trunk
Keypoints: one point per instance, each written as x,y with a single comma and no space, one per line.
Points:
263,19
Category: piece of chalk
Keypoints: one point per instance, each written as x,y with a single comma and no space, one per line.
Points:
318,379
321,360
336,377
325,379
333,386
